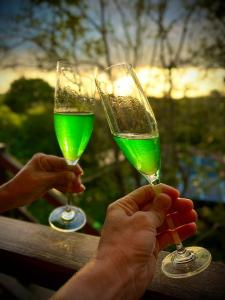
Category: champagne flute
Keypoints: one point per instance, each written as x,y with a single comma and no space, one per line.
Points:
73,122
134,129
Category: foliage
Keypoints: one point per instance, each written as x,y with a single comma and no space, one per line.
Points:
213,14
10,124
41,210
26,93
1,98
25,130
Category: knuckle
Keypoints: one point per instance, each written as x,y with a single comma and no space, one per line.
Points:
110,208
38,160
38,156
61,162
149,191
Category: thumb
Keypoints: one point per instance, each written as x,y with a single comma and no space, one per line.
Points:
159,208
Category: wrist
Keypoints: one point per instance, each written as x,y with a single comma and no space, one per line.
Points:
7,199
98,279
113,279
118,274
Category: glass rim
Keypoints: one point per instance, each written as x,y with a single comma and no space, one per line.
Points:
122,64
60,63
64,63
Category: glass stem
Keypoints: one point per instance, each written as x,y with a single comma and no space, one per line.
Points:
68,214
69,199
177,241
182,255
175,235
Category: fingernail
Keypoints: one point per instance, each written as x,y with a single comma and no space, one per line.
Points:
83,186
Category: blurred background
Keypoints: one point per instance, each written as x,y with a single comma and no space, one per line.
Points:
178,51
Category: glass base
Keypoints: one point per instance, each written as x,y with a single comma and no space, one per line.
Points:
66,220
189,263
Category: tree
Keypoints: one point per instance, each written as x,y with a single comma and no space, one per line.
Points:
101,32
26,93
212,43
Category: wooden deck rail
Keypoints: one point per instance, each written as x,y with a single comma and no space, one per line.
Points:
39,254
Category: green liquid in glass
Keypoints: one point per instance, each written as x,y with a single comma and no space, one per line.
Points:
73,131
142,151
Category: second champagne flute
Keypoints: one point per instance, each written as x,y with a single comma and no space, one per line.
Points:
134,128
73,122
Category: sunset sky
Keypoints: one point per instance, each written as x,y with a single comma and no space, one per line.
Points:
187,82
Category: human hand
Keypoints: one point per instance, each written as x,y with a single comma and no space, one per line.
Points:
40,174
135,230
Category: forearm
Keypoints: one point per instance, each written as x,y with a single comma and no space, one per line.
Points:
7,197
98,280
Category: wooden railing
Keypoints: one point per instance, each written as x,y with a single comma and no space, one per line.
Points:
10,164
38,254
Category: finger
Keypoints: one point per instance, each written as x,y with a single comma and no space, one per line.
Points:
181,204
76,169
50,163
76,189
140,198
78,186
166,189
163,188
165,239
179,219
79,189
64,179
135,200
159,209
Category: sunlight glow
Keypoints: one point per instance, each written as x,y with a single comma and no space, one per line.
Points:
123,87
186,82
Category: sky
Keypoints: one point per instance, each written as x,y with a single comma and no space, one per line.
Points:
9,6
190,81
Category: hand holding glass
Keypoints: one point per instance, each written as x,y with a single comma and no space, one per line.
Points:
134,128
